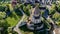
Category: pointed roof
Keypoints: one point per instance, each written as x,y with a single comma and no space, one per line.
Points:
36,11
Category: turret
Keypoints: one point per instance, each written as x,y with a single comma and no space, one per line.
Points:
34,20
35,15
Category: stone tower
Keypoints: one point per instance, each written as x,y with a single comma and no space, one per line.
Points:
35,15
34,21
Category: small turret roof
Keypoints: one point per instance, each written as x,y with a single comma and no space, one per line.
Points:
36,10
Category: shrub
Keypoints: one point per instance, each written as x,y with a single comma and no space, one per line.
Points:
2,8
2,15
52,10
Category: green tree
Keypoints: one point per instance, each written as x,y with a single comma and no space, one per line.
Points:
56,18
2,15
58,8
27,9
4,25
52,9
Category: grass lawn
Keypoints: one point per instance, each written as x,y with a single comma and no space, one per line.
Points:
13,19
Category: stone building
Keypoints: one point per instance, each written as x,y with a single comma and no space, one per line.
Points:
35,20
38,1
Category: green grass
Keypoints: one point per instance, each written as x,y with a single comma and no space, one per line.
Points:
13,19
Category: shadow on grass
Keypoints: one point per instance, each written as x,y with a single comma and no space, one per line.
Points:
25,29
18,12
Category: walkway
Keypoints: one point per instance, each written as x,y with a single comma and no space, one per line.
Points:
17,26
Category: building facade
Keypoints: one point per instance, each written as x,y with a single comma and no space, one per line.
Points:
38,1
34,21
